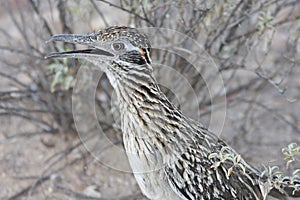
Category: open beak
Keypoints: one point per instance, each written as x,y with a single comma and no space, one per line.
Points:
95,49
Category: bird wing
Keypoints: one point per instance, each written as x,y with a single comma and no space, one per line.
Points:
196,175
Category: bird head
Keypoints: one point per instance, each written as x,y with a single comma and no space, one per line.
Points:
117,44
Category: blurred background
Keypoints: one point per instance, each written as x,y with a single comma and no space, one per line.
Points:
254,44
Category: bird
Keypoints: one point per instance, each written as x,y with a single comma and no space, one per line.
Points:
172,156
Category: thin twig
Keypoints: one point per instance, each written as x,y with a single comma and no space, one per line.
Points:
99,12
128,11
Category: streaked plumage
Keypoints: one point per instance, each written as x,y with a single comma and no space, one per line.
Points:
172,156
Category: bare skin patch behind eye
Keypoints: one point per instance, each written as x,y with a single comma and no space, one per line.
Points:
142,52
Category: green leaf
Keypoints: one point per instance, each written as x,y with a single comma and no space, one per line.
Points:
68,82
213,155
57,79
297,171
55,67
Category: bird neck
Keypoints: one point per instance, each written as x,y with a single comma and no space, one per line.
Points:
148,119
135,85
138,90
140,97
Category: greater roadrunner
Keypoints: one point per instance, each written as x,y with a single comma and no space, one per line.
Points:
172,156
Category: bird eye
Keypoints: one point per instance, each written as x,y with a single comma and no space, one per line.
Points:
118,46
